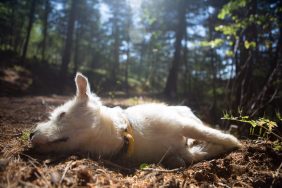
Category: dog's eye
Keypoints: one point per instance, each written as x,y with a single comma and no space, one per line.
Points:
61,115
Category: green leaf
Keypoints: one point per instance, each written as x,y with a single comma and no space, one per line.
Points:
229,53
143,165
260,131
278,148
245,117
253,123
25,135
277,145
279,116
252,130
228,29
249,44
231,6
212,43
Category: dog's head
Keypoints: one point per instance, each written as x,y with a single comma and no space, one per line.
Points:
70,125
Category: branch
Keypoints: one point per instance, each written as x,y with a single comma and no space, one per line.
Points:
163,170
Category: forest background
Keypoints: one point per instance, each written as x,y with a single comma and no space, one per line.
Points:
215,56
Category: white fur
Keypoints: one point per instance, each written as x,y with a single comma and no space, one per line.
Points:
157,129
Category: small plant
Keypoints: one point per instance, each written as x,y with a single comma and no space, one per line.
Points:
277,145
25,135
265,125
143,166
278,115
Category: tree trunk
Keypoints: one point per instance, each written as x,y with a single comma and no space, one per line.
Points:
171,83
187,66
13,25
247,81
69,40
28,30
127,71
242,86
76,50
141,60
268,92
115,66
127,63
47,10
213,109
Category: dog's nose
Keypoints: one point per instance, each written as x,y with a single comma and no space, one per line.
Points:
31,135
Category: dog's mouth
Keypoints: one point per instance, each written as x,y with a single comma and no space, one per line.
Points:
59,140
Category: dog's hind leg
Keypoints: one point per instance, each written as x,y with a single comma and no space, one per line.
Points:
201,152
198,131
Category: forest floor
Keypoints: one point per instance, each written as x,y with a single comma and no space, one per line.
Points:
256,164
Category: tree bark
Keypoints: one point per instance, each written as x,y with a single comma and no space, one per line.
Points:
187,66
28,30
268,92
213,109
76,50
116,34
47,10
69,41
242,86
127,71
127,60
171,83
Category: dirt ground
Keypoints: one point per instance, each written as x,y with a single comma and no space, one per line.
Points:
255,165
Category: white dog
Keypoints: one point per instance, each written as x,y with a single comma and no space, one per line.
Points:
143,133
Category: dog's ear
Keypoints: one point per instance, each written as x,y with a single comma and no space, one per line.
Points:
82,86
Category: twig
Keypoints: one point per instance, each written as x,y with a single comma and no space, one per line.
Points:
27,184
241,183
163,170
32,163
223,185
266,103
15,134
8,181
65,171
105,173
278,169
115,165
276,173
165,154
39,174
31,158
101,170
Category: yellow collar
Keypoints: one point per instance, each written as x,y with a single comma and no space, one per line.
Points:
128,139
